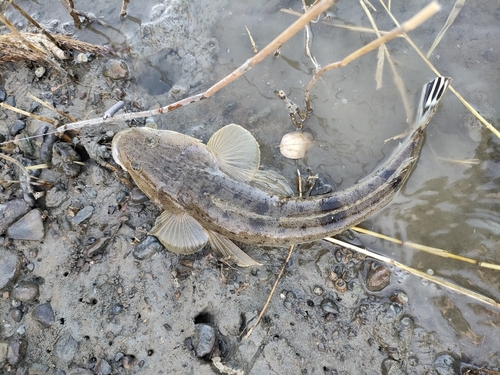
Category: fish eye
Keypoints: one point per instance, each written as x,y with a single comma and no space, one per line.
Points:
151,141
135,166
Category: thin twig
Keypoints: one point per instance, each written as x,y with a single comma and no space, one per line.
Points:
434,279
264,308
270,48
411,24
22,168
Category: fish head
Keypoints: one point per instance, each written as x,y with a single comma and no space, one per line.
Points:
159,160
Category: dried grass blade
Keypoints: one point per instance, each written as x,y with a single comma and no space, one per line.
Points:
47,105
434,279
41,118
459,4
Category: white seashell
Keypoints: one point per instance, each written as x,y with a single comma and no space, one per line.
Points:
294,145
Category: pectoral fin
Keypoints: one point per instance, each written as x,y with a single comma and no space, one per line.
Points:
237,152
272,182
230,250
179,233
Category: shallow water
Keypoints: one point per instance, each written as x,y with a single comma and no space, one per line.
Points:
445,204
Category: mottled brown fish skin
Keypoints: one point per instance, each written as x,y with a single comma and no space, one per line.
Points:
178,173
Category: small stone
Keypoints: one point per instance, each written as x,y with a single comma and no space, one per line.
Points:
44,315
128,362
3,95
40,71
25,291
119,356
16,315
66,348
137,196
38,369
205,339
11,100
10,267
16,351
4,347
10,211
102,367
378,279
17,127
30,267
34,106
115,69
147,248
21,330
98,246
85,213
55,197
318,290
329,306
444,364
29,227
80,371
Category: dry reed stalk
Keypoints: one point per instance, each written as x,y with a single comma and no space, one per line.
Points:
428,249
23,169
459,4
21,47
397,78
47,105
411,24
429,64
434,279
238,72
41,118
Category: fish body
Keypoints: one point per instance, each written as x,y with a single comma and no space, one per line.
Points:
215,192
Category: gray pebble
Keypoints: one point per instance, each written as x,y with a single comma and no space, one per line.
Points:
10,267
17,127
44,315
11,211
30,267
205,339
34,106
21,330
137,196
3,94
25,291
29,227
329,306
16,315
66,348
11,100
82,215
102,367
3,352
445,364
147,248
55,197
80,371
38,369
16,351
118,356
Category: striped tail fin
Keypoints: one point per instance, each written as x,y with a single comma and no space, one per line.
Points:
432,93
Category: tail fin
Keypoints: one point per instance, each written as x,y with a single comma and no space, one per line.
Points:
432,93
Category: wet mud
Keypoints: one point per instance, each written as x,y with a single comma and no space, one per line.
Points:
86,291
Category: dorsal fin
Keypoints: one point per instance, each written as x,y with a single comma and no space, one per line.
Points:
230,251
179,233
236,151
272,182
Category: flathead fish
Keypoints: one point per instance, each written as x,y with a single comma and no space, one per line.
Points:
216,193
